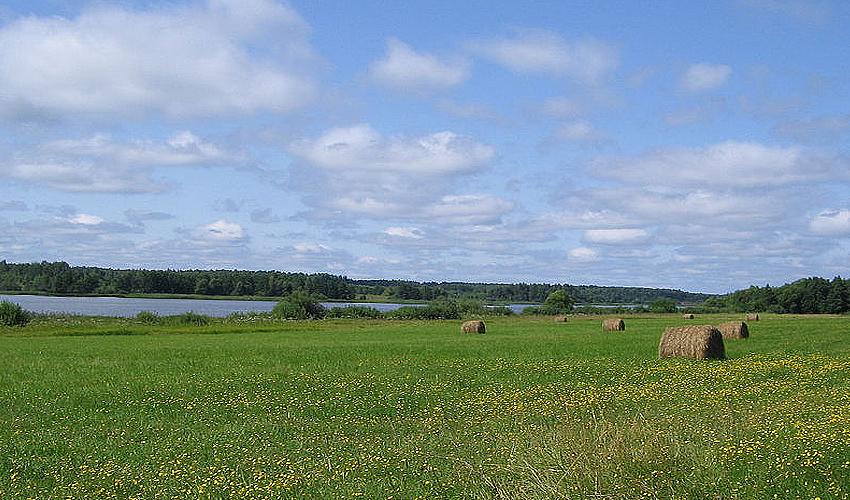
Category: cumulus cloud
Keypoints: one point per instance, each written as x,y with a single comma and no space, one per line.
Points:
703,77
577,131
220,231
729,164
86,219
831,223
101,164
404,232
586,60
363,148
310,248
357,172
625,236
583,254
214,58
469,209
404,68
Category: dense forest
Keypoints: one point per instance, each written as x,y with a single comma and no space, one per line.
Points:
62,279
808,295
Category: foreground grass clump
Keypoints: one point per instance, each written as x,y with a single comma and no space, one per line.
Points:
414,409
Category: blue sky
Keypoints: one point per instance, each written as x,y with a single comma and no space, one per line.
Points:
701,146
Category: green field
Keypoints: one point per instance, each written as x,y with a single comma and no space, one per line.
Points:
106,408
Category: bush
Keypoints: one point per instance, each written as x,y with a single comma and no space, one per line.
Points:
147,317
354,312
299,305
12,314
663,306
188,318
499,311
434,310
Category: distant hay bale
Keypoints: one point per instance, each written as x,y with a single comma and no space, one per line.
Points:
734,330
613,325
688,316
753,317
476,326
695,342
561,318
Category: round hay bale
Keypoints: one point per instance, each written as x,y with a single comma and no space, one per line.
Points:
734,330
475,326
561,318
695,342
688,316
613,325
752,317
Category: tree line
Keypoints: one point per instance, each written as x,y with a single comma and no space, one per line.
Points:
806,296
60,278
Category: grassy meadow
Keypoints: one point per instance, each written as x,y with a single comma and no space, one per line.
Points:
111,408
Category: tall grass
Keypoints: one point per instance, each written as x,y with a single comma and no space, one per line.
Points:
359,408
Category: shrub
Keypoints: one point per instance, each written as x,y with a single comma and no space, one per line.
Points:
663,306
299,305
147,317
434,310
12,314
354,312
470,307
188,318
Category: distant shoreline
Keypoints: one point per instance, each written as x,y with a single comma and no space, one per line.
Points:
181,296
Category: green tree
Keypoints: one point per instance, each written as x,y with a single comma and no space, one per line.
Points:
557,302
663,306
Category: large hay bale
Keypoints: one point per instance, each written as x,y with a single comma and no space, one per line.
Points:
734,330
613,325
475,326
561,318
688,316
753,317
696,342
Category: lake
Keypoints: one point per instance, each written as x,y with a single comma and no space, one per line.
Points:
127,307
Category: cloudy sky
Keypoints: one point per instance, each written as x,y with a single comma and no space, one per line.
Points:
696,145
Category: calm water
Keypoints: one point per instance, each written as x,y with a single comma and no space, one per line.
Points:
124,307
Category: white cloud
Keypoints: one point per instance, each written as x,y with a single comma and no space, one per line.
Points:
702,77
86,219
100,164
831,223
310,248
583,254
586,60
404,232
717,208
578,131
469,209
406,69
220,231
220,57
362,148
623,236
730,163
